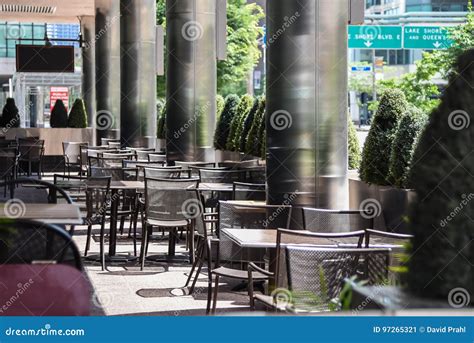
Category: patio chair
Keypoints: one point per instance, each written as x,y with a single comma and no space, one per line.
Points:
31,152
316,275
157,158
141,165
105,141
199,164
248,191
293,237
228,254
322,220
167,173
169,204
8,166
72,155
31,242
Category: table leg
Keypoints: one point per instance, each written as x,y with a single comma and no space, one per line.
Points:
113,222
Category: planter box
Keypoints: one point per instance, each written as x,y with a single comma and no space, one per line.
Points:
395,203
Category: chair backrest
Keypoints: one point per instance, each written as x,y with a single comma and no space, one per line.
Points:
72,151
8,161
105,141
157,158
30,242
117,174
221,175
167,173
141,165
315,275
171,199
389,239
322,220
97,197
44,290
248,191
114,144
31,149
186,165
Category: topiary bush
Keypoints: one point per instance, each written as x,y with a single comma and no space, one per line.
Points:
160,119
353,146
247,124
375,162
225,119
220,103
441,219
409,129
245,105
10,114
253,144
78,115
58,117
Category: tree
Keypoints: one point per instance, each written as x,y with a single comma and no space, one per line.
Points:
223,125
253,146
58,117
220,103
161,119
375,163
245,105
78,115
441,219
353,146
10,114
247,124
243,34
410,128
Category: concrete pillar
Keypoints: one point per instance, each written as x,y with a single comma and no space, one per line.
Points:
138,73
191,79
306,116
107,58
88,67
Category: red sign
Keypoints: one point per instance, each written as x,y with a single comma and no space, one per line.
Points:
59,93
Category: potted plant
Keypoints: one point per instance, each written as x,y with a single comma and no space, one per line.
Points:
247,125
10,115
245,105
58,117
78,115
223,127
253,145
353,146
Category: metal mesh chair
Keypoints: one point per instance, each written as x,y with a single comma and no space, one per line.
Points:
321,220
31,152
169,204
30,242
248,191
167,173
8,166
316,275
72,155
157,158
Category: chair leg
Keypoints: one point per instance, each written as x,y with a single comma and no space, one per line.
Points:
143,247
102,253
88,241
122,224
135,236
197,259
216,290
191,290
209,293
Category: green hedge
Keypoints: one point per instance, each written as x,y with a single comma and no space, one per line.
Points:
253,144
375,162
220,103
442,219
247,124
245,105
225,119
411,125
10,115
78,115
161,119
353,146
58,117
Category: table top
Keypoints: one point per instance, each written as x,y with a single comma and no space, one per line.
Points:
64,214
215,187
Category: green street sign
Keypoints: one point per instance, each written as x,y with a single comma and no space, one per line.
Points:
375,37
426,37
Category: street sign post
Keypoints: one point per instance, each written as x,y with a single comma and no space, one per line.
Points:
426,37
375,37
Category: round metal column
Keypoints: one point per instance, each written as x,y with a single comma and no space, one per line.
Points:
306,116
138,74
191,79
88,67
107,58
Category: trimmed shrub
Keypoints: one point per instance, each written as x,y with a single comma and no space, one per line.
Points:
411,125
253,144
263,145
441,219
10,114
220,103
247,124
58,115
353,146
245,105
161,119
225,119
375,163
78,115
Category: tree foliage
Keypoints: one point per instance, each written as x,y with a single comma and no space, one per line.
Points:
245,105
10,114
253,143
354,152
161,119
58,117
223,124
247,124
404,144
441,220
220,103
375,163
78,115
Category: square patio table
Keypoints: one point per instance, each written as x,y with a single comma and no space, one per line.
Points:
58,214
